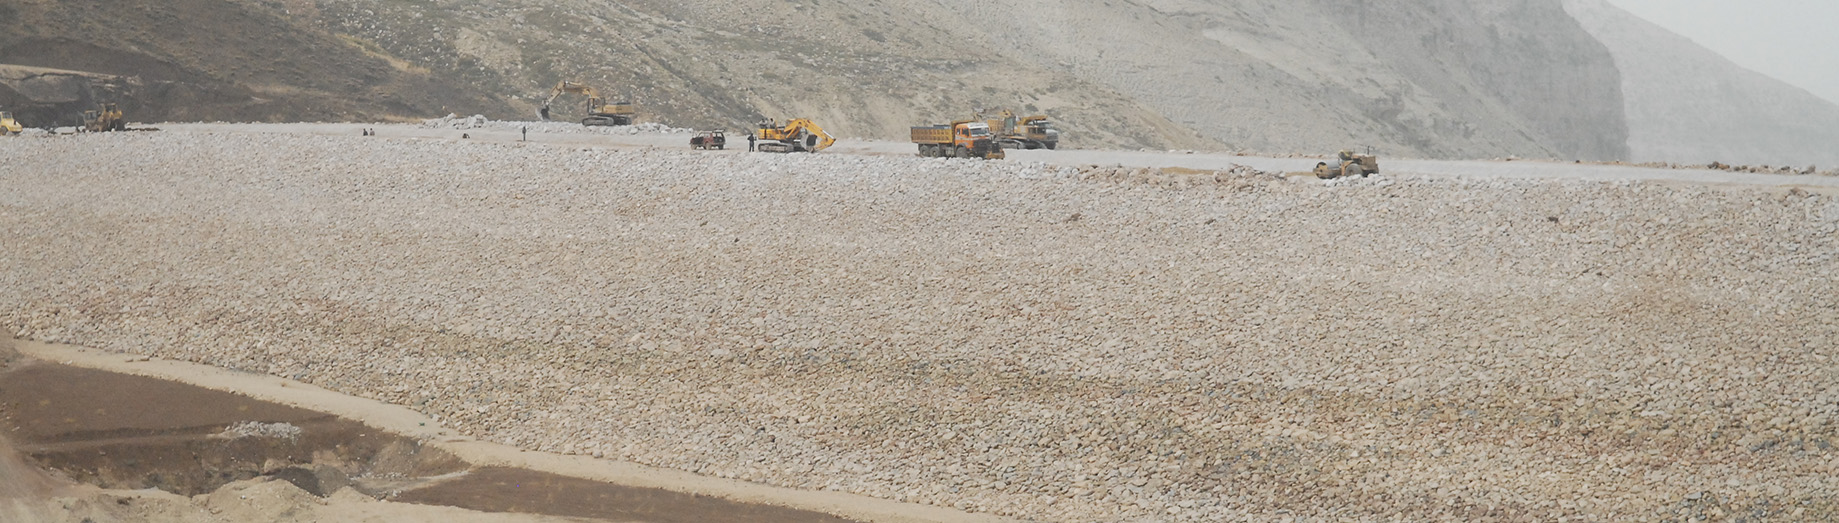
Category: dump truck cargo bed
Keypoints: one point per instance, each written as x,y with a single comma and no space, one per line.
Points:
932,134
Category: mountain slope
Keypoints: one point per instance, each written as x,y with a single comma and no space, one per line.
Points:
1436,78
1411,78
1688,104
216,59
1273,76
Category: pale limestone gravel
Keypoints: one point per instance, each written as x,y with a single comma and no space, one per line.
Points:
1051,343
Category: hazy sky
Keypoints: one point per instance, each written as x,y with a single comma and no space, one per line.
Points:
1796,41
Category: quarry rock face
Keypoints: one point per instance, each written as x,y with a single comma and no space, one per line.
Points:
41,97
1510,69
1436,79
1687,104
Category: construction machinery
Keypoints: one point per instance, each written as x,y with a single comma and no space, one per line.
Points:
798,135
104,119
1348,164
960,139
1025,132
8,125
599,112
716,139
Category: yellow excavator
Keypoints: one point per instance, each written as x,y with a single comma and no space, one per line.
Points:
798,135
599,112
1022,132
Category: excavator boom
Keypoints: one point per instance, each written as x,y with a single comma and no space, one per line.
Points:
797,135
598,111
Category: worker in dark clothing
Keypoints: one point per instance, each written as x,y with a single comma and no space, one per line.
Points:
750,141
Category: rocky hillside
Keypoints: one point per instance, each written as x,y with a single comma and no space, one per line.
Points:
1437,78
1452,79
1687,104
1440,78
208,60
1279,76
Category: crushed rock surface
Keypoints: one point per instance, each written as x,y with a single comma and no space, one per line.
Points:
1051,343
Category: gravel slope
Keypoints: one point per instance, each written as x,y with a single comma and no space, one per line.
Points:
1052,343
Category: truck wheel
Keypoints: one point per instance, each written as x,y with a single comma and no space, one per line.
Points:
1051,145
964,152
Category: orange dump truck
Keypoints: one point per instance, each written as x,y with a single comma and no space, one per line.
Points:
961,139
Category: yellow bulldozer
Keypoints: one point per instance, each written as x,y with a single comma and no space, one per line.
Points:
599,112
798,135
8,125
104,119
1348,164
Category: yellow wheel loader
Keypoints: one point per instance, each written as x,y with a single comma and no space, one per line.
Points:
8,125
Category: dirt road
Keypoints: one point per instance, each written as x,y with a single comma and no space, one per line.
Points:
1070,157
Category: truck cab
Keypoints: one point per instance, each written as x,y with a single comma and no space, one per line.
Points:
969,133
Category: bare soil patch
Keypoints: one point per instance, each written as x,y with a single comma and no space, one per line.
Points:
126,432
500,489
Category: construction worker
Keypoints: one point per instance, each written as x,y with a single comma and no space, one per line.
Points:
750,139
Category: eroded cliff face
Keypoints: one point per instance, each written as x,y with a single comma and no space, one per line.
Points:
1442,78
1686,104
1437,78
1507,67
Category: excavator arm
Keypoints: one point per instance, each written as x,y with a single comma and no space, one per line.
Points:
567,87
810,130
598,111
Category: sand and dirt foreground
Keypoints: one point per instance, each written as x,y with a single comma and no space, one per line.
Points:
1045,342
